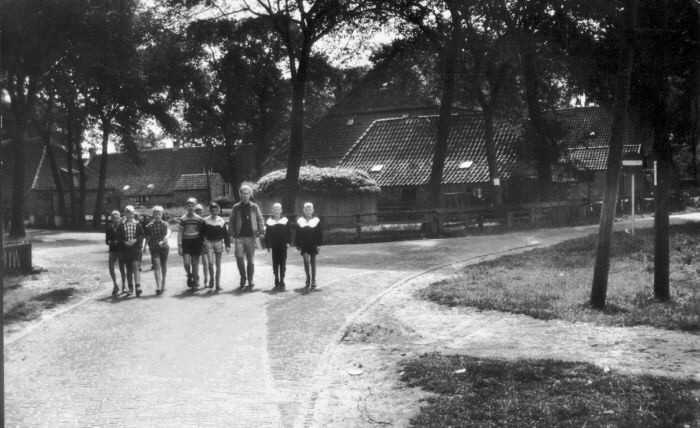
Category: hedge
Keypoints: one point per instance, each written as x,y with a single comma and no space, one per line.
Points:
321,180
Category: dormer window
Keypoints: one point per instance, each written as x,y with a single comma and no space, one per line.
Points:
376,168
350,121
465,164
592,134
126,187
150,186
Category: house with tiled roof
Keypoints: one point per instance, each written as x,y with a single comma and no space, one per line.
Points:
580,173
168,176
381,94
156,177
397,152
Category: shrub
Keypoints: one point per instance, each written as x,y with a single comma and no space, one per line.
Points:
321,180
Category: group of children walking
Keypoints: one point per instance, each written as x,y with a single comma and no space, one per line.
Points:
208,237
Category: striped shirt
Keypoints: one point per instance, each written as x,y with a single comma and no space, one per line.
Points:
191,227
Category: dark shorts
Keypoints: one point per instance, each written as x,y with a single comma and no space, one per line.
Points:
309,249
130,254
159,254
192,247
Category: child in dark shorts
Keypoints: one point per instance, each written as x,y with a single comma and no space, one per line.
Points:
277,240
216,238
190,241
199,210
157,234
115,246
131,236
308,239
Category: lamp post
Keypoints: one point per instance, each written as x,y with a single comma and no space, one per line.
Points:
5,102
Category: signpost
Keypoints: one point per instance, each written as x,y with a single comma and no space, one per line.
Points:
632,163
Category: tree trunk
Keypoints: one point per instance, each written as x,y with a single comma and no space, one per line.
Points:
69,165
53,164
492,159
99,198
82,180
544,150
661,222
695,105
296,138
617,137
449,59
665,161
17,229
56,174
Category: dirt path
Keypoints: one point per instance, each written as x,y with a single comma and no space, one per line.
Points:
361,385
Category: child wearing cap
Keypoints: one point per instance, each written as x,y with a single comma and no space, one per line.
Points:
131,236
115,246
308,239
190,242
157,234
216,238
277,239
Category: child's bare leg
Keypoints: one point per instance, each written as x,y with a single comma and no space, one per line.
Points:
164,269
218,270
205,266
112,272
306,268
157,272
195,269
122,272
312,259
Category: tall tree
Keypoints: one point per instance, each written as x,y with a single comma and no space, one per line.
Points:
124,81
46,123
663,96
617,137
534,29
490,72
35,36
299,25
439,22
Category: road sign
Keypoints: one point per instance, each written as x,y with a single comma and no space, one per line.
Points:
632,162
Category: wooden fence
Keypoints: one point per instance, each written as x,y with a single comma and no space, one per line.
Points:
387,225
18,257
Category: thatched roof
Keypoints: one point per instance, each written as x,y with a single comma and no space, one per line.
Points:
321,180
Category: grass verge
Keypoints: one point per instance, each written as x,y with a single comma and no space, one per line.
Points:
32,308
555,282
545,393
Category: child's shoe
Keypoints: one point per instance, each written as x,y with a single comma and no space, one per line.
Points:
115,291
138,290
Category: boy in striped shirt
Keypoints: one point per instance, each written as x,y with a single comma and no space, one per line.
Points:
190,241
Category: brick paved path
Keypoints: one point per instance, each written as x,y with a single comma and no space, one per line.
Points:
212,360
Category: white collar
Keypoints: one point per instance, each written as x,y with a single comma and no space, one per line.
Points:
272,222
303,222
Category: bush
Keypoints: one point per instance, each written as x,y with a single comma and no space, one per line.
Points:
321,180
